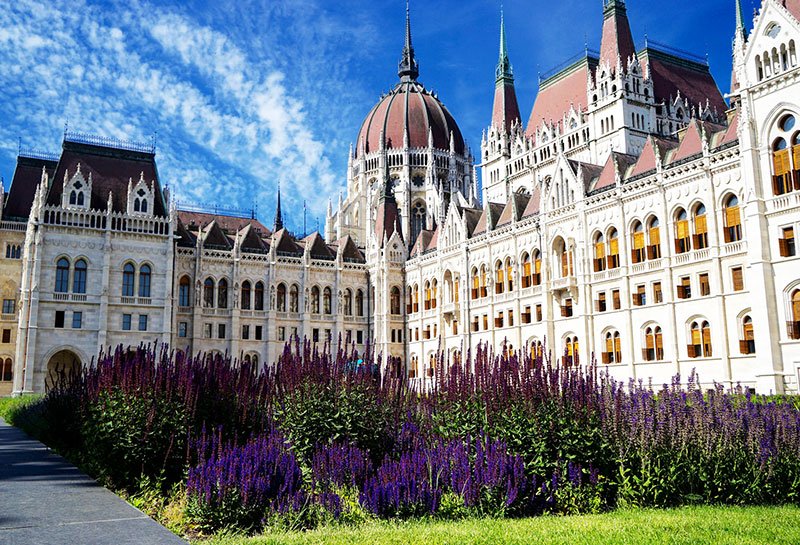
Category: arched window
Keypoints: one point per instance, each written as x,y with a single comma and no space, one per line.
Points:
258,303
499,277
281,301
537,268
682,241
654,236
208,293
599,252
144,205
315,300
7,371
294,298
360,303
417,220
184,292
416,297
526,271
136,204
245,296
426,301
476,284
748,343
128,275
613,348
613,249
348,302
79,277
222,294
326,300
700,228
434,293
62,275
637,243
509,275
144,281
395,301
782,168
571,351
700,345
733,222
653,344
73,197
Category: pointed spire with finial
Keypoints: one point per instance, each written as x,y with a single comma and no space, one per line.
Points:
505,110
408,70
278,212
740,18
503,72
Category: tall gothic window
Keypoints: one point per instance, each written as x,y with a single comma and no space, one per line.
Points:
246,289
348,302
654,239
144,281
360,303
700,228
222,294
62,275
208,293
638,243
613,249
315,300
184,292
395,301
682,238
417,220
79,277
294,298
326,301
258,303
733,221
281,302
128,274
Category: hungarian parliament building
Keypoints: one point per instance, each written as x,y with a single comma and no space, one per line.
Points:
638,218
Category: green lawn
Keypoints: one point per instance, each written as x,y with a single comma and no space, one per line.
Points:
690,525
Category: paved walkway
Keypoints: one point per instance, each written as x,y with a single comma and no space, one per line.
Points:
45,500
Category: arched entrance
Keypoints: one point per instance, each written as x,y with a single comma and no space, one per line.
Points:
63,365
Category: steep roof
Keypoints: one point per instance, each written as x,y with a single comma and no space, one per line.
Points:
692,142
730,134
533,203
587,173
284,242
494,209
350,250
422,242
513,209
647,161
318,248
251,241
471,216
111,169
27,175
617,41
229,224
558,93
215,237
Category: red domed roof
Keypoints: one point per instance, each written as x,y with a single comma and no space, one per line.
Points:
409,105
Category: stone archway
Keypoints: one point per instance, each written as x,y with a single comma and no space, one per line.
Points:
61,365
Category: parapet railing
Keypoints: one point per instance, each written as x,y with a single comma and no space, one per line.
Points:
96,219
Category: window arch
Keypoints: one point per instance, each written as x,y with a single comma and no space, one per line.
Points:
222,294
637,242
794,324
326,301
484,281
144,280
426,301
6,370
537,268
599,252
394,298
571,351
79,277
682,240
417,220
527,278
476,283
700,238
747,344
434,293
732,219
128,279
294,298
281,301
245,295
499,277
653,344
208,292
785,156
258,300
509,274
348,302
184,292
700,345
654,238
612,352
62,275
613,249
315,300
360,303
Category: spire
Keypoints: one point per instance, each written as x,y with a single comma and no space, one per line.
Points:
278,214
505,111
408,70
617,41
740,18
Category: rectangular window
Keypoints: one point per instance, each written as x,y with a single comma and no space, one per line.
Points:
360,337
526,315
208,331
658,296
786,244
640,297
682,241
126,322
485,322
510,318
183,295
600,304
77,320
281,333
143,322
455,327
220,331
566,308
426,333
737,279
685,288
259,332
9,306
538,313
498,320
616,300
637,253
705,286
246,332
315,335
294,333
183,329
475,324
416,334
6,336
328,335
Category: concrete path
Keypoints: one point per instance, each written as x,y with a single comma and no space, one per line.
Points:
45,500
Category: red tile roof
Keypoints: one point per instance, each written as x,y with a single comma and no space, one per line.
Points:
27,176
731,133
409,105
319,250
533,203
229,224
505,110
608,176
794,7
557,94
671,74
616,42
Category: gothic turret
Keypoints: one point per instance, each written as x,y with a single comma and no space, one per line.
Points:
616,45
505,111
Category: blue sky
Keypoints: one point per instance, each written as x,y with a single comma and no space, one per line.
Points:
247,94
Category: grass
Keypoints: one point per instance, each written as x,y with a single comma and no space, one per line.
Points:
10,406
688,525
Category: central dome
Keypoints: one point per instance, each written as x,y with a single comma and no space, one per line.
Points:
412,108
